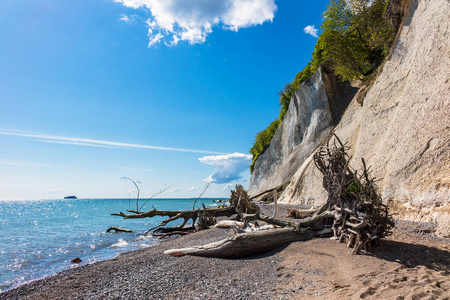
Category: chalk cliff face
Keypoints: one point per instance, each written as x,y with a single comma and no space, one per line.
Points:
403,127
314,110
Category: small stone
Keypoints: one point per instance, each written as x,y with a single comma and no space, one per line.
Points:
76,260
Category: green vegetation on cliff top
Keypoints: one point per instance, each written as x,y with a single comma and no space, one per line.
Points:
354,41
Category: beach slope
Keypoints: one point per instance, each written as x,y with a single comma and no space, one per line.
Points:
411,264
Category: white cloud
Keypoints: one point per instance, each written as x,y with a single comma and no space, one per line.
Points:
193,20
93,143
175,190
155,39
193,189
128,19
228,187
227,168
311,30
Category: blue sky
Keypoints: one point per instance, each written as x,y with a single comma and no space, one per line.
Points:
167,92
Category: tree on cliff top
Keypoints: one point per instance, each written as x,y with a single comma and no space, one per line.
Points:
355,37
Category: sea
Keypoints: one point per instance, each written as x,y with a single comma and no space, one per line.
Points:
39,238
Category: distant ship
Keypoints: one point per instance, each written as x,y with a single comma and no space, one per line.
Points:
70,197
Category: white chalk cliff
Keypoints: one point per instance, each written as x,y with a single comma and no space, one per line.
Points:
402,129
314,110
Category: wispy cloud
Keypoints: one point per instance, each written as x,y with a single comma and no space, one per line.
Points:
192,21
128,19
227,168
93,143
193,189
311,30
176,190
228,187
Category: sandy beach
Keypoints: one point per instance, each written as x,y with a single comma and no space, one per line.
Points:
411,264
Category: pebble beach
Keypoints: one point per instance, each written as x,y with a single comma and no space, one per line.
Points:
411,264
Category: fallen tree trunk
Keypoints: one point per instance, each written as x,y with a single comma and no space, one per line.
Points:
246,244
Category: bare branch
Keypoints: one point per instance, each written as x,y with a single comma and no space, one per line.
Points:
156,194
204,190
137,188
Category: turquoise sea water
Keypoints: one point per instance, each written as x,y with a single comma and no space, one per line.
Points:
40,237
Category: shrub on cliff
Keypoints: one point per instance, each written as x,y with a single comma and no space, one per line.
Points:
290,88
262,140
355,37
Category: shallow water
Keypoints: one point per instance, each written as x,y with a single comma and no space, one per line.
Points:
40,237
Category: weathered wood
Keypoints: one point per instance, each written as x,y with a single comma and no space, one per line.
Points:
275,203
204,214
270,220
323,232
117,229
189,214
229,224
300,214
354,197
246,244
241,201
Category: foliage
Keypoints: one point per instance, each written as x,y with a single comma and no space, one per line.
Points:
290,88
262,140
355,37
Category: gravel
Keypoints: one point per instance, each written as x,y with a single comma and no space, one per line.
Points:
150,274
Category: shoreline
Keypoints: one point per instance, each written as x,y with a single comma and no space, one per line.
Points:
412,262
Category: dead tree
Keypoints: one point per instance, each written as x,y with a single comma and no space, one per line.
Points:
353,213
138,191
173,215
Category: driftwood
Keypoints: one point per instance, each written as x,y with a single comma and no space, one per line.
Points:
117,229
300,214
229,224
201,218
241,202
245,244
361,219
186,215
353,214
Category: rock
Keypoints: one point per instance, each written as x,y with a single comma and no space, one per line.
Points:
314,109
443,228
402,130
76,260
